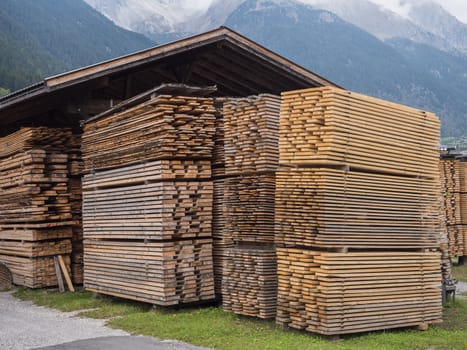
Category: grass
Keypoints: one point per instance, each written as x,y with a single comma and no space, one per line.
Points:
214,328
460,272
99,307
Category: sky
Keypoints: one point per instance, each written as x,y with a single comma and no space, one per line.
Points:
457,8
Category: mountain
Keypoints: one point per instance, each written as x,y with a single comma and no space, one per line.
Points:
399,70
384,23
423,21
44,37
150,17
413,54
432,17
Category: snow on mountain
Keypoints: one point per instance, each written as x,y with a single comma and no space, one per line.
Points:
432,17
422,21
215,15
383,22
150,16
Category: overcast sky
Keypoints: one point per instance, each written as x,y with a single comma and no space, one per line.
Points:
457,8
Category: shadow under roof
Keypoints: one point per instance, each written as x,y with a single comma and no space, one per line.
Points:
221,57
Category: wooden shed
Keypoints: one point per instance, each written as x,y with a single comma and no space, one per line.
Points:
197,180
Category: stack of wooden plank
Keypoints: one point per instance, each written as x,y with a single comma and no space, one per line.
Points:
330,126
249,208
165,127
323,207
75,169
157,272
218,153
338,293
251,128
220,240
454,202
250,277
357,214
249,280
147,201
35,210
126,206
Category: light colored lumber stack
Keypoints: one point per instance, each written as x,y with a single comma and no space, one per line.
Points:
249,282
323,207
330,126
35,209
339,293
463,190
357,214
148,201
454,203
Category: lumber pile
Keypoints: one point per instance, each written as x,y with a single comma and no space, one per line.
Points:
148,201
220,241
164,127
356,214
35,209
324,207
331,126
338,293
158,272
249,281
453,174
75,169
251,128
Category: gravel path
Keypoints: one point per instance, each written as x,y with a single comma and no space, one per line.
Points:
461,287
27,326
24,325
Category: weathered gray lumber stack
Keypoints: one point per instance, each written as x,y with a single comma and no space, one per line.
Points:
75,171
35,211
249,278
147,201
357,214
220,241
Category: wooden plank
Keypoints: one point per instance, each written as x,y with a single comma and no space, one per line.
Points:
162,273
319,292
64,269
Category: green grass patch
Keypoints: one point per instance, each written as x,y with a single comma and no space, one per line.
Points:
217,329
62,301
460,272
95,307
214,328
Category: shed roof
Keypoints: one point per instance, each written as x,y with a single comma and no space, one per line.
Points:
222,57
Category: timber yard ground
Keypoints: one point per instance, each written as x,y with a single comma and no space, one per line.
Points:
86,316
